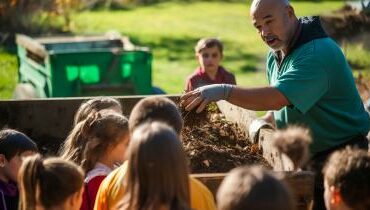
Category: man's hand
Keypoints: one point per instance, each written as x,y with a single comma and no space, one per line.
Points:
202,96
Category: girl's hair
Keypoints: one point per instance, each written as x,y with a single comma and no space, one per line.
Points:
91,138
13,143
95,105
253,188
157,170
48,182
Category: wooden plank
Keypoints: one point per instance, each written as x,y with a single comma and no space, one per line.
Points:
51,118
242,117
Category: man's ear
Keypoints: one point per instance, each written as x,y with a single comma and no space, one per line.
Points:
3,160
290,10
336,197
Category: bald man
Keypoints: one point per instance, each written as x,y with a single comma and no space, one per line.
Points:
310,84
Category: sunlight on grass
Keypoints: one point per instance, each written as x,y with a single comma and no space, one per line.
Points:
172,29
8,74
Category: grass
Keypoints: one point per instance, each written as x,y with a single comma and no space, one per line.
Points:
8,74
172,29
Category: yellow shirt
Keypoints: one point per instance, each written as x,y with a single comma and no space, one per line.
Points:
111,191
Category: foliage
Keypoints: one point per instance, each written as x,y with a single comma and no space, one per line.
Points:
25,15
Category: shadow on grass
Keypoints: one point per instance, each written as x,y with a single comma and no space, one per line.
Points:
179,49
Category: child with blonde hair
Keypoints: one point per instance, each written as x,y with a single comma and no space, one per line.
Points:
98,144
51,183
14,146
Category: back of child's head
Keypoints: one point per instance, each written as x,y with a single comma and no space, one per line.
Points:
253,188
14,143
93,137
157,170
294,141
95,105
348,170
48,182
209,43
156,108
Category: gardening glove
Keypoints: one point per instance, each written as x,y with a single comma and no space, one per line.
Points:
200,97
215,92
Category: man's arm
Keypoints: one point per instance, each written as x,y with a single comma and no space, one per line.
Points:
259,99
265,98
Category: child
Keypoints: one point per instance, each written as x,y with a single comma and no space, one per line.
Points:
253,188
50,184
347,180
150,109
97,144
294,142
209,53
14,146
157,175
95,105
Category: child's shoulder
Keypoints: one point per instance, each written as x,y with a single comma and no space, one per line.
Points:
225,71
193,77
228,76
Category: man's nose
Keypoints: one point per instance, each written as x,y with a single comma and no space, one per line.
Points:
265,30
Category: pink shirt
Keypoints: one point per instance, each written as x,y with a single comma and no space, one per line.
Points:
200,78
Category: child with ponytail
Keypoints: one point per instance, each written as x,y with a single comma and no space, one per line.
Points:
98,145
51,183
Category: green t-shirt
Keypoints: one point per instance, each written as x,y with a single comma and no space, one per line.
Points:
318,82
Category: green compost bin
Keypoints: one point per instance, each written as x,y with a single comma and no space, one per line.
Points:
84,66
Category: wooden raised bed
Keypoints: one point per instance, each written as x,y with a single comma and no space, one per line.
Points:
50,120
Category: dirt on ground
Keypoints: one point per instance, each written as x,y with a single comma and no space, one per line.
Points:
215,145
363,86
346,23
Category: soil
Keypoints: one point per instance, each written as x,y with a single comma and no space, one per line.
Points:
346,22
215,145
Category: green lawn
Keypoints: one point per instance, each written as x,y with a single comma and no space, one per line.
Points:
8,74
172,29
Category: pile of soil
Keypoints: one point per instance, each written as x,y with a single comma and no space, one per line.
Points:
346,22
350,25
363,86
215,145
